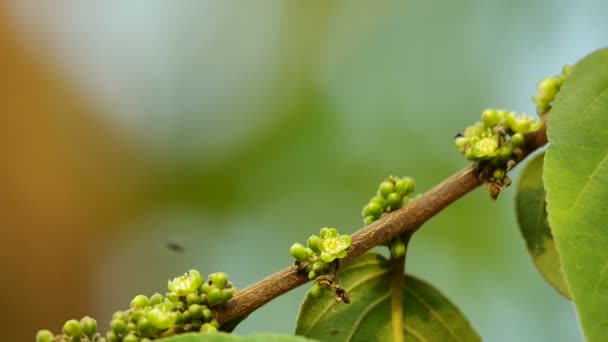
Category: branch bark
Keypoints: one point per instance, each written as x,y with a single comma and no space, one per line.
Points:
408,218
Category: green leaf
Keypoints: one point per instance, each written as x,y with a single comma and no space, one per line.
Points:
576,180
531,211
428,315
224,337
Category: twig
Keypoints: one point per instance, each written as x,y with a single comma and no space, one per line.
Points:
408,218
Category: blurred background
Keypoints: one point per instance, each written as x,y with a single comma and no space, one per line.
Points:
235,128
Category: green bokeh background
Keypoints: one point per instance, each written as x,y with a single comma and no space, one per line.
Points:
254,124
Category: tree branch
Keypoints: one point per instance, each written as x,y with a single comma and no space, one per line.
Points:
408,218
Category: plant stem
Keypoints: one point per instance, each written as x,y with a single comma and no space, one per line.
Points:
407,219
397,278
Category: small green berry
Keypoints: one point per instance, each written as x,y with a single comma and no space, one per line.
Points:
214,296
298,251
386,188
89,326
118,326
44,336
219,279
140,302
72,328
208,327
394,200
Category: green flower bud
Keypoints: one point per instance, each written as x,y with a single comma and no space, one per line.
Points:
214,297
112,336
461,143
130,338
398,248
548,86
192,298
172,297
405,186
136,315
205,287
490,118
499,174
379,200
227,295
207,314
196,311
89,326
72,328
196,323
144,327
131,326
187,283
369,220
298,251
44,336
121,315
517,140
319,266
219,279
139,302
373,209
314,243
186,316
118,326
505,152
542,109
160,319
317,291
312,275
156,298
208,327
386,188
394,200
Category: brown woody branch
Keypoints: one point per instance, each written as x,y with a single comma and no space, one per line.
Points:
408,218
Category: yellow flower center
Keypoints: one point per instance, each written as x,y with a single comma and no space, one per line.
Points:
487,145
331,245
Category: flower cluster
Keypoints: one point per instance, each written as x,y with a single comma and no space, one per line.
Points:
318,259
186,307
548,89
390,196
495,144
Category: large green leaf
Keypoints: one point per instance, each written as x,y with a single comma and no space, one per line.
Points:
224,337
532,219
428,315
576,180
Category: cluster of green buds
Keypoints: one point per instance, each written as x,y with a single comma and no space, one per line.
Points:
318,260
391,195
495,144
84,330
548,89
187,307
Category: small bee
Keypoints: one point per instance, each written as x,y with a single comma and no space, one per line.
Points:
175,247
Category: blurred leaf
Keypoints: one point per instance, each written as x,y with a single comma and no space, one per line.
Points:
576,179
429,316
224,337
532,219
